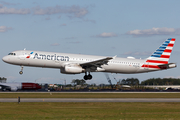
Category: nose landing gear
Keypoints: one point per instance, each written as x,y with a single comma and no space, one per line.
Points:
21,72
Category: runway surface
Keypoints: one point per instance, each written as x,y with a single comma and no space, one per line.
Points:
90,99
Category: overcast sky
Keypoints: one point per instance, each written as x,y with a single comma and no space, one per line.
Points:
95,27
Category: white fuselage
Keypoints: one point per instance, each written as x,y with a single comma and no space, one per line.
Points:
77,63
60,60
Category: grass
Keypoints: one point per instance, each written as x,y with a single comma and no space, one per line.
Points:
90,95
90,111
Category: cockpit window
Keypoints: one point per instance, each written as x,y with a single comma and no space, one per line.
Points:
12,54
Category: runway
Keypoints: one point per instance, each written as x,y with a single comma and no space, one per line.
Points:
90,99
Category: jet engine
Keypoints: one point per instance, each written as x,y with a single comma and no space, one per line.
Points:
72,69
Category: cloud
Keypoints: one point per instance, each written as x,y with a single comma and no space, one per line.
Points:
75,11
7,3
5,10
4,28
72,11
155,31
106,35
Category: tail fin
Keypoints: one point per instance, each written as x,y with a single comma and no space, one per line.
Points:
161,55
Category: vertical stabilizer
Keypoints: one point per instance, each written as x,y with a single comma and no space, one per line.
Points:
161,55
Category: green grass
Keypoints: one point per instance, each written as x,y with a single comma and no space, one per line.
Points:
90,111
90,95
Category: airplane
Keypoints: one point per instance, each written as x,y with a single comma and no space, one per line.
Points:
77,63
19,86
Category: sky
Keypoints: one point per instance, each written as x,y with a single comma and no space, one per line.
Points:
93,27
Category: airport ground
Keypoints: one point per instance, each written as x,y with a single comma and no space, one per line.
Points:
90,110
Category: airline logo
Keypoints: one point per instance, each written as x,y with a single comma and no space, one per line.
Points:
161,55
51,57
29,55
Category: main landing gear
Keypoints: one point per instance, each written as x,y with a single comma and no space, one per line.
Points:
21,72
87,77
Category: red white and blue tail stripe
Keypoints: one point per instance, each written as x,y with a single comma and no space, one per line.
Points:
159,59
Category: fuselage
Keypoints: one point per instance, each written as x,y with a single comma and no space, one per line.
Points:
19,86
60,60
77,63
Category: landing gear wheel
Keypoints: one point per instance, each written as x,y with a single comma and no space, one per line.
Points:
21,72
89,76
86,77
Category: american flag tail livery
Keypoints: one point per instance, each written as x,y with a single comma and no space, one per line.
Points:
159,59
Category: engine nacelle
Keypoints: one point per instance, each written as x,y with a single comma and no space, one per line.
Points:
72,69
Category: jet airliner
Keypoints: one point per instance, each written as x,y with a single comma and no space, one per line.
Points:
76,63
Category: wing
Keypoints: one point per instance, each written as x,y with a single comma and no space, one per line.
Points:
96,63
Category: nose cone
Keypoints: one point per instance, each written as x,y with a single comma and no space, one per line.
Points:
5,59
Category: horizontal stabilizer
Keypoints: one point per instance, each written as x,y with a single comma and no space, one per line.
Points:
166,66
